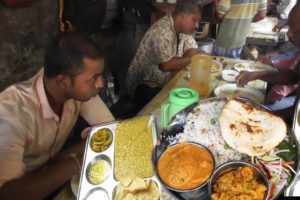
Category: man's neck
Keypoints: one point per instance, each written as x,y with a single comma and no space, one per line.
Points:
55,97
176,24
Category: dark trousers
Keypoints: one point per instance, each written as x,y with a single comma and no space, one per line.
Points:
144,93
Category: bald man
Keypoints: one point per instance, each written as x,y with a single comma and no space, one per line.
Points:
287,77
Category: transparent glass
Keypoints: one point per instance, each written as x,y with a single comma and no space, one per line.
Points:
200,74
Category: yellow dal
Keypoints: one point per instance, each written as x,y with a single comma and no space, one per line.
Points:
133,149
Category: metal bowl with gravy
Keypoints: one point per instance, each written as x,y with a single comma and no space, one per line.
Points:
185,168
237,179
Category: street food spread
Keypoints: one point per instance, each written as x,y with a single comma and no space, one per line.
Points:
249,130
239,184
276,150
101,140
185,166
137,189
133,148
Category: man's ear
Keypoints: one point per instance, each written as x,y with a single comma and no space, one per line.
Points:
62,81
182,15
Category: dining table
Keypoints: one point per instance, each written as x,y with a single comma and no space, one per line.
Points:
181,79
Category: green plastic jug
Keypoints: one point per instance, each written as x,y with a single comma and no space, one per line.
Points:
179,99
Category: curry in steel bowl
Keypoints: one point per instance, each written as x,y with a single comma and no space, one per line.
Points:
185,166
202,125
237,180
101,140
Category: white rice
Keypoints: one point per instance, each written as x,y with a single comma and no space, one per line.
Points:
202,126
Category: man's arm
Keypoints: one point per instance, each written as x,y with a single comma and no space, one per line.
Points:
220,16
178,63
259,15
95,112
288,113
286,77
42,182
222,8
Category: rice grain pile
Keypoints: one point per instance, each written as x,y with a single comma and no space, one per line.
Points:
202,126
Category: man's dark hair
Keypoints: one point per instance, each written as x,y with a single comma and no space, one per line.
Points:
66,51
185,6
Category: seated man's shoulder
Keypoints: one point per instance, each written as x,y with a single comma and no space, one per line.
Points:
18,96
162,24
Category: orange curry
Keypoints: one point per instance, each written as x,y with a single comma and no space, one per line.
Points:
185,166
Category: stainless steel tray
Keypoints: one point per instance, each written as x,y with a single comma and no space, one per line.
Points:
110,183
176,126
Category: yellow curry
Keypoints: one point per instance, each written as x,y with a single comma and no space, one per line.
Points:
185,166
240,184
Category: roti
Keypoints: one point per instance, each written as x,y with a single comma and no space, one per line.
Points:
250,130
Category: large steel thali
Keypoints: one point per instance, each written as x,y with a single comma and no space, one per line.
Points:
177,127
106,188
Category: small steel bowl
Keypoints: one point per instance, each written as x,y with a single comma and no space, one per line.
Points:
234,165
229,75
200,192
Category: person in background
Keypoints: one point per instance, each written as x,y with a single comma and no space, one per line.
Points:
166,48
37,116
286,60
281,77
135,23
236,17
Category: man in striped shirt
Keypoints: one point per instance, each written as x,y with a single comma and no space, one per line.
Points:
236,16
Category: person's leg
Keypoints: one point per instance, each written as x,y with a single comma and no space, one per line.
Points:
277,92
143,94
282,104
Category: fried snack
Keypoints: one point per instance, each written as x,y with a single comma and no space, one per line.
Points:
137,189
101,140
239,184
133,148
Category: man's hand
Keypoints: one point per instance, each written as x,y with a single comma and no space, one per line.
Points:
85,132
265,59
77,149
191,52
278,27
244,77
46,179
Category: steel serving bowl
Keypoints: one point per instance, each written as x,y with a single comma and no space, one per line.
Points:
206,45
200,191
234,165
229,75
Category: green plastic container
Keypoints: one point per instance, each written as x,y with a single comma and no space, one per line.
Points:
179,99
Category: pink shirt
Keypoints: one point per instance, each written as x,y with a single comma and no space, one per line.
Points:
31,133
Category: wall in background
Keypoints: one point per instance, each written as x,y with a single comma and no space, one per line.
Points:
24,34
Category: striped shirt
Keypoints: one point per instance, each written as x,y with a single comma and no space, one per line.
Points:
237,20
